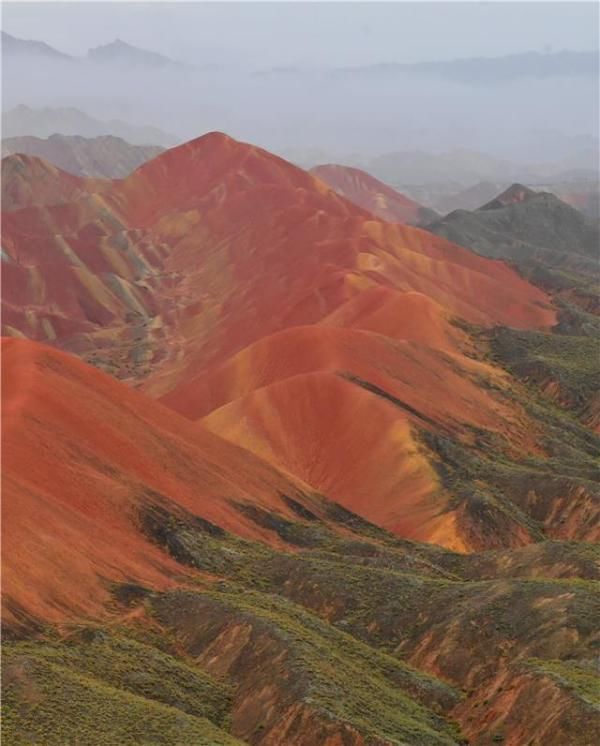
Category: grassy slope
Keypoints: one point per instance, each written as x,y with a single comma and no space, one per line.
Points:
372,599
342,678
59,694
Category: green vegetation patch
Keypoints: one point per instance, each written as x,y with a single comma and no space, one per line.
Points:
46,700
580,677
573,362
141,669
332,671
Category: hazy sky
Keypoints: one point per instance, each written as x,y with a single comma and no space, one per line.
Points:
310,33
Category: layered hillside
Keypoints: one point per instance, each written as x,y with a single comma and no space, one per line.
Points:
105,157
220,262
373,195
30,181
254,277
345,491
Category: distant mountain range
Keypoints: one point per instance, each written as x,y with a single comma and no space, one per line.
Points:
116,52
26,121
475,70
105,156
486,70
13,47
417,172
472,70
467,167
120,52
552,93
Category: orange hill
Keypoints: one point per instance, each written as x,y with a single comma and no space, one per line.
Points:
244,291
340,409
368,192
215,244
82,455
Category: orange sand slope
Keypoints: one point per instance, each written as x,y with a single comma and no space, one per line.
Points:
345,440
340,408
368,192
339,404
439,386
82,455
258,245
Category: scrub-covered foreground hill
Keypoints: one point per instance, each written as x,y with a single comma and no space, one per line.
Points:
318,392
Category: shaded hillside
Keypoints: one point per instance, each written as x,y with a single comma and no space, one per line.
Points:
105,157
373,195
552,243
468,199
526,217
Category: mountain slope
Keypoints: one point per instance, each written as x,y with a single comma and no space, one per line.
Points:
313,399
551,243
30,181
12,47
536,219
196,200
144,581
231,564
120,53
85,458
43,122
373,195
104,157
218,249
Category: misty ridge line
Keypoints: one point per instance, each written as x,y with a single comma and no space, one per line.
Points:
411,171
111,157
528,108
471,69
